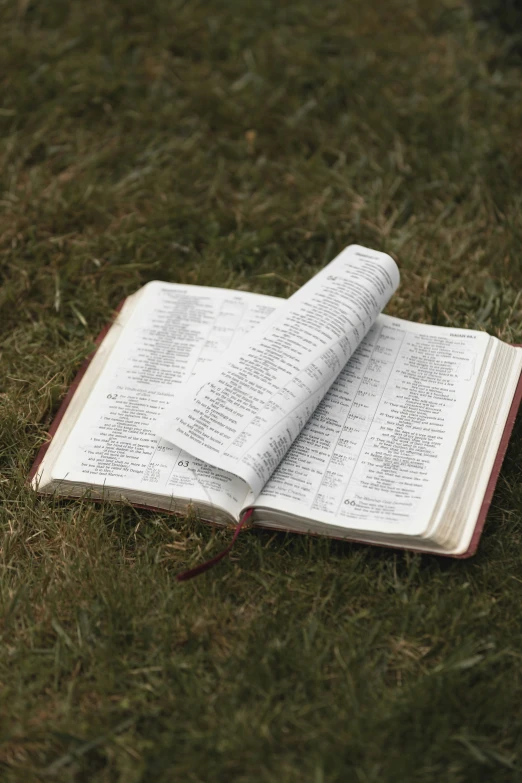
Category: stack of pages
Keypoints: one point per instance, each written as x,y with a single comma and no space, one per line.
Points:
317,412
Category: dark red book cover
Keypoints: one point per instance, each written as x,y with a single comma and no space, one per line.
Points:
501,453
67,399
488,496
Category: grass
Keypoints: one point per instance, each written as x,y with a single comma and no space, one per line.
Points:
243,144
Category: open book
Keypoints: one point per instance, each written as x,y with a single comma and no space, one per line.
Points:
317,412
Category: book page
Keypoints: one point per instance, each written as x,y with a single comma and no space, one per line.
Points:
174,331
245,415
376,452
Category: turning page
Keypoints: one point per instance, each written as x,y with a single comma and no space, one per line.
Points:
171,332
375,454
246,413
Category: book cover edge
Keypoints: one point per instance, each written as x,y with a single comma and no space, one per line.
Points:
495,471
71,391
486,503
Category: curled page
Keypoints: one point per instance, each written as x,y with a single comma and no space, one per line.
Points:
250,406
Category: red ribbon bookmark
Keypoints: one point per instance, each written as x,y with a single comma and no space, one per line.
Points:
200,569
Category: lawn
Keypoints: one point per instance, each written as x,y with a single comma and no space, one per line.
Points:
243,144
